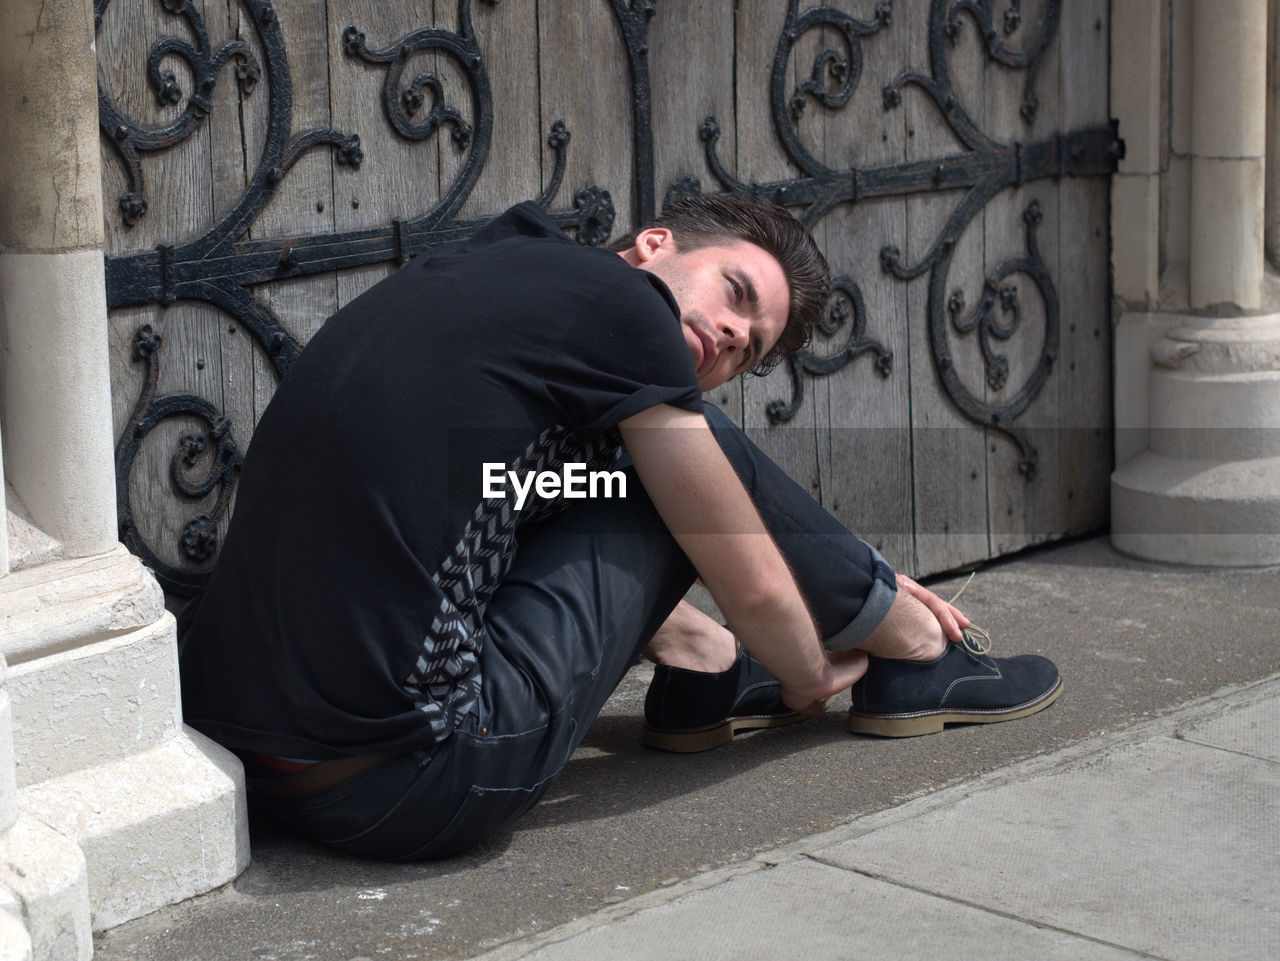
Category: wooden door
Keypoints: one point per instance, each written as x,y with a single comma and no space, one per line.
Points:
266,162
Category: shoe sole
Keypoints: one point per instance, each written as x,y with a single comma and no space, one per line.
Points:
932,722
693,740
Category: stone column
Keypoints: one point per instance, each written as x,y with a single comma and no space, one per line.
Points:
1135,187
1198,372
1228,150
1135,206
109,807
4,515
56,396
1271,237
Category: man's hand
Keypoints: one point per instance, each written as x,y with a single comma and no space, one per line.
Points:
846,667
952,621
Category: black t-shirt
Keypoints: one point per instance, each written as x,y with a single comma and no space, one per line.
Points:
346,610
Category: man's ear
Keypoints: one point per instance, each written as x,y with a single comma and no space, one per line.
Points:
652,243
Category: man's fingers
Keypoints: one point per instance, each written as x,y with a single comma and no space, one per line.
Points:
801,703
846,667
943,612
950,618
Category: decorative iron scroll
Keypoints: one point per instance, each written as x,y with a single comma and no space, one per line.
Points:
985,168
221,266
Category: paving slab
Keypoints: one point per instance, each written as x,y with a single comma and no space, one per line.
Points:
1123,848
1168,848
1253,729
808,909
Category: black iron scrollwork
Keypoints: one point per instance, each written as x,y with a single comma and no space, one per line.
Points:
130,139
220,266
198,541
983,318
983,169
846,310
633,18
1028,58
400,105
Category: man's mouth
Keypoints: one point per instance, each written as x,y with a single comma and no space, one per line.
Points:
706,351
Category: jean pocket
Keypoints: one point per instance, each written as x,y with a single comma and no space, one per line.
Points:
346,812
494,797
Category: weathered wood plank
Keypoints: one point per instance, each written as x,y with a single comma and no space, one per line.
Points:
688,41
584,81
398,179
691,55
301,204
237,129
948,455
519,162
1085,359
866,465
793,444
304,200
1024,511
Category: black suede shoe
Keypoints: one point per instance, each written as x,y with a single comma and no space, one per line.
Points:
689,711
962,686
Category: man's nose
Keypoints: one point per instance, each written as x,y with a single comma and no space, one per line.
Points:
734,333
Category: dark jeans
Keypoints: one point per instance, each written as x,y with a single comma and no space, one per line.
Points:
588,589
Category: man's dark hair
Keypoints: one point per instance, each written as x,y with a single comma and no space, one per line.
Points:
699,221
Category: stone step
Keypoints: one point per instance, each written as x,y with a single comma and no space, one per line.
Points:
1186,511
100,702
56,606
43,876
155,828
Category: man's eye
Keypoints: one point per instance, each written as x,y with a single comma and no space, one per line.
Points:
737,290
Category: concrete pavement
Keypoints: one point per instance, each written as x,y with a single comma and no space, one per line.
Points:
1162,841
1137,814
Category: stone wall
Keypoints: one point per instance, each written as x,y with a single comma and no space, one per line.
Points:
1197,330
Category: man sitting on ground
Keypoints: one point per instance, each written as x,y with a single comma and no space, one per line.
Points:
406,653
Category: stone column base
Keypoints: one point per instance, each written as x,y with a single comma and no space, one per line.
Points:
1199,477
154,828
43,886
1182,511
154,811
15,943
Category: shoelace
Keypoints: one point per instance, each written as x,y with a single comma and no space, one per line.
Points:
976,640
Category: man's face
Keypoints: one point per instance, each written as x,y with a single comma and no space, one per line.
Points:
733,300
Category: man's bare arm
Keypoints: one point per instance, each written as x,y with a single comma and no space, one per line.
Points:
708,511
